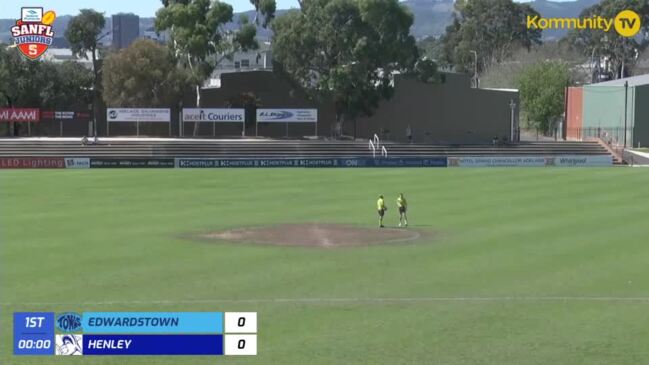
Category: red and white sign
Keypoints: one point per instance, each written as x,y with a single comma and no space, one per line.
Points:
19,115
32,163
63,115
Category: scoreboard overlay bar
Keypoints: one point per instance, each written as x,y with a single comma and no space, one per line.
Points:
135,333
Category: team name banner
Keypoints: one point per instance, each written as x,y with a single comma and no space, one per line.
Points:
531,161
153,344
20,115
287,115
159,322
214,115
138,115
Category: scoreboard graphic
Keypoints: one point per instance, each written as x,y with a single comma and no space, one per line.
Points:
135,333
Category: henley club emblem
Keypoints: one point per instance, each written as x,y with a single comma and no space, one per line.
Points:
33,32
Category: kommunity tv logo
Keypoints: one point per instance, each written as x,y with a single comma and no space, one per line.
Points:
626,23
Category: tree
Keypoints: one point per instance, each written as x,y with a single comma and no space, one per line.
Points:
266,8
29,84
431,47
490,28
542,88
426,71
506,73
345,51
199,37
17,85
83,34
619,52
143,75
64,85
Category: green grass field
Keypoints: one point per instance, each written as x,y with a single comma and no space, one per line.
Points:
528,266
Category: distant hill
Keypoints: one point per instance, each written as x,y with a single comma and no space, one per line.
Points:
431,18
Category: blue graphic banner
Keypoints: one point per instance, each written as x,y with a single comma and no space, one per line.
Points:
152,322
33,333
152,344
311,162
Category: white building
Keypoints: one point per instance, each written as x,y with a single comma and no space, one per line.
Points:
150,33
256,60
58,55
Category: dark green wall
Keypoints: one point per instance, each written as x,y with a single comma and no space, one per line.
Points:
451,112
641,129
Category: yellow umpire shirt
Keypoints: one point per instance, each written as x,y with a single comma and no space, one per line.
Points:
380,204
401,202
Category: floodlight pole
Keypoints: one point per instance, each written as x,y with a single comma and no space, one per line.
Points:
626,90
475,68
512,132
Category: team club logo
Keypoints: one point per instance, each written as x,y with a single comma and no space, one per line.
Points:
70,321
33,32
69,345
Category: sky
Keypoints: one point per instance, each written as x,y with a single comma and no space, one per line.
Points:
144,8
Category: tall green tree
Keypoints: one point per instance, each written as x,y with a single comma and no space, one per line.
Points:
17,86
83,34
29,84
492,29
619,52
66,85
346,51
542,88
266,8
199,37
144,74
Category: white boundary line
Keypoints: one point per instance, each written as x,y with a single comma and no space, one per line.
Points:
342,300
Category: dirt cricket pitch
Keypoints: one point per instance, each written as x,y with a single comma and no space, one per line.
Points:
315,235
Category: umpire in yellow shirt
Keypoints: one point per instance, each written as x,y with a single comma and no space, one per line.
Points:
402,204
380,206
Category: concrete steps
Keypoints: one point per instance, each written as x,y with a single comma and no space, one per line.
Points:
278,148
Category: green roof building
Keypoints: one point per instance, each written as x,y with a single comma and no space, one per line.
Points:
604,114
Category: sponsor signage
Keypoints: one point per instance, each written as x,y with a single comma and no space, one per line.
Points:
19,115
310,162
77,162
138,115
531,161
32,163
287,115
131,163
63,115
214,115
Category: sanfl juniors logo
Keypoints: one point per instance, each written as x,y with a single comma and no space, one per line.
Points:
33,32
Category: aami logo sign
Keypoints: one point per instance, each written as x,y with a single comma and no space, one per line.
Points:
19,115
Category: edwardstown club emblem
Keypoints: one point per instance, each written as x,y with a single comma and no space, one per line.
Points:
68,322
33,33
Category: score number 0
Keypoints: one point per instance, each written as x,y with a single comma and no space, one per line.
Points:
240,337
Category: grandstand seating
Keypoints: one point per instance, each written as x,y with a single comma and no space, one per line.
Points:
124,147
